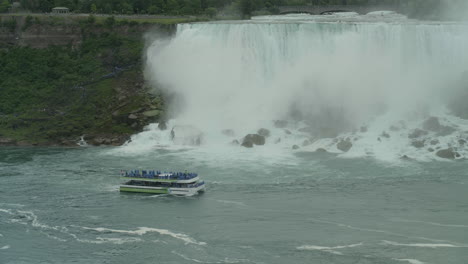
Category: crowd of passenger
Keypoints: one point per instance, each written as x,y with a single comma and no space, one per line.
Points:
159,175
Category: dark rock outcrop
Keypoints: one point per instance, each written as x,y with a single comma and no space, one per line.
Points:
448,153
253,139
418,143
263,132
247,144
228,132
280,123
295,147
432,124
4,141
186,135
162,125
385,135
344,145
417,133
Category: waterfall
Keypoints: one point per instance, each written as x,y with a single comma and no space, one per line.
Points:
327,77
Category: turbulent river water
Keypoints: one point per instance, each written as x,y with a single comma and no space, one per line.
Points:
382,75
63,206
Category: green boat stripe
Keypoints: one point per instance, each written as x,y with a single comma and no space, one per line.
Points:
141,190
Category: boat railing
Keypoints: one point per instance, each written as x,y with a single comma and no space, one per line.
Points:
159,175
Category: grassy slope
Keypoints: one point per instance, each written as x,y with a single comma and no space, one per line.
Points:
57,94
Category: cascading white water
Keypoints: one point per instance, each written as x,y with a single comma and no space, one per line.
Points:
331,76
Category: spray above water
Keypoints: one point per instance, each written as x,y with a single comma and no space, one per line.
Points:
325,79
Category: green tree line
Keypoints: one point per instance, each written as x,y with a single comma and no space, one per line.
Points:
428,9
196,7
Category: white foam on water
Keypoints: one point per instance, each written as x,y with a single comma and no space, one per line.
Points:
5,247
424,245
383,232
430,223
411,261
328,249
226,260
143,230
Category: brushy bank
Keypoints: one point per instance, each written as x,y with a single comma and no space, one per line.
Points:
83,78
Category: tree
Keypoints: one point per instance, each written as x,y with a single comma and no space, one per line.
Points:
211,12
93,8
4,6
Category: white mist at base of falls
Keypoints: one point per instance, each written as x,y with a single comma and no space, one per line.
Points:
326,78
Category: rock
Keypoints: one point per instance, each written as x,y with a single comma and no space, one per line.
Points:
321,150
405,157
394,128
162,125
385,135
186,135
417,133
247,144
445,131
4,141
255,139
152,113
132,116
418,143
363,129
139,110
263,132
447,153
235,142
295,147
434,142
461,141
280,123
432,124
228,132
344,145
306,143
430,149
308,130
287,132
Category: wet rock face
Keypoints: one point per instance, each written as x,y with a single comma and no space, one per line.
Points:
162,125
280,123
228,132
247,144
344,145
447,153
186,135
4,141
432,124
253,139
263,132
417,133
418,143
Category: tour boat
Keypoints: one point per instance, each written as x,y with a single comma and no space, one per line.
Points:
176,183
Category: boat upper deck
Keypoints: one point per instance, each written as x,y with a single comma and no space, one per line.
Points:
157,176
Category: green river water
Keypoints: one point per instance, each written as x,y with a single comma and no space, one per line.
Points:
61,205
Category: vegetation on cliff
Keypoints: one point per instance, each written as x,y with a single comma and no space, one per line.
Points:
426,9
56,94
